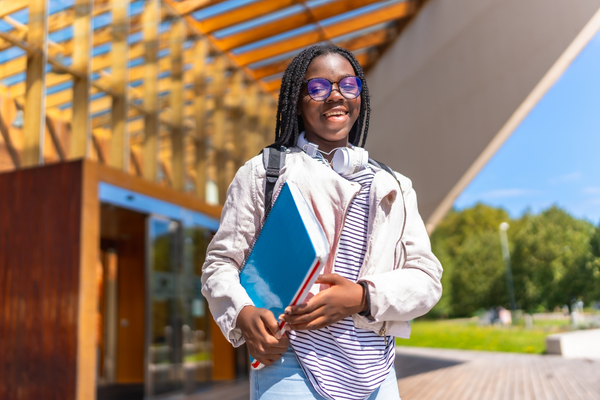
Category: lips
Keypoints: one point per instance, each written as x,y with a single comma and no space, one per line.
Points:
335,113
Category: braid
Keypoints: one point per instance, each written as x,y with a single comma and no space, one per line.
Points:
289,123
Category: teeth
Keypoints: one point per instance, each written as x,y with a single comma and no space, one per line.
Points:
329,114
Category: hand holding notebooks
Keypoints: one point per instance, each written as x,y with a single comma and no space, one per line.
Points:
287,256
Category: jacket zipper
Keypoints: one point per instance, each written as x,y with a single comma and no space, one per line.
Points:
383,332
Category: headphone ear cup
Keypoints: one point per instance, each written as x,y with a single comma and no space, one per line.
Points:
348,161
341,161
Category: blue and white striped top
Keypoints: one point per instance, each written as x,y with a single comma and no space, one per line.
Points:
342,361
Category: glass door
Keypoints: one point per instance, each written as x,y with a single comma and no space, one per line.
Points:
197,341
164,355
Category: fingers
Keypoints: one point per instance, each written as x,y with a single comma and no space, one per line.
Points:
270,322
313,324
332,279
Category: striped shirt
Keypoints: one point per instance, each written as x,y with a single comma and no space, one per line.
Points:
340,360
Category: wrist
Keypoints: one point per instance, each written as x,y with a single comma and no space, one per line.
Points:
365,310
243,315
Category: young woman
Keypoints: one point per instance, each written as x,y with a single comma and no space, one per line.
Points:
380,273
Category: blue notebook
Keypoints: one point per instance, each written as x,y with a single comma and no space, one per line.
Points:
287,256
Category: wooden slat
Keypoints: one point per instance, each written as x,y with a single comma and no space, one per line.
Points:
10,6
371,39
151,125
190,6
65,18
178,34
119,146
200,53
82,37
273,85
35,92
395,11
294,21
244,13
195,29
13,67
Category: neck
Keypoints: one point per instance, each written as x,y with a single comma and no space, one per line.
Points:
326,147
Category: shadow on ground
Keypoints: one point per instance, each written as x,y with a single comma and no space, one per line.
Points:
409,365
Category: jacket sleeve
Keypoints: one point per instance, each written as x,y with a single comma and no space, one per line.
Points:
240,221
415,286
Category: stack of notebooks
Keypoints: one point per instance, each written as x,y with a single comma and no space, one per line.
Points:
287,256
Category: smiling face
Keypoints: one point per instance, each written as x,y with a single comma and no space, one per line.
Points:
328,123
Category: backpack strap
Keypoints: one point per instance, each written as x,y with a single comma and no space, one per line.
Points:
384,167
389,170
273,161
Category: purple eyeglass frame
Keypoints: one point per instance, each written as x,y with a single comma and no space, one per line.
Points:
358,80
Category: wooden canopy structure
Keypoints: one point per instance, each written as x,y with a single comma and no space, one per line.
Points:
179,92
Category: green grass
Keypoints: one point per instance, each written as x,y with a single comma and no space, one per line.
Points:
467,335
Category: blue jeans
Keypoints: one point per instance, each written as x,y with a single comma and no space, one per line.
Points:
285,379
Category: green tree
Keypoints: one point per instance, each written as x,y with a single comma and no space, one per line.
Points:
548,253
478,279
454,242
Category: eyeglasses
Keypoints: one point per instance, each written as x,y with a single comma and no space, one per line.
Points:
319,89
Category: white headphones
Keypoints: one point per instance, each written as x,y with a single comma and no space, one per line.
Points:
345,161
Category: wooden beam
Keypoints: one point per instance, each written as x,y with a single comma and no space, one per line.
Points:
13,67
55,139
274,84
8,142
119,144
293,21
234,143
380,15
151,18
244,13
196,29
219,125
11,6
35,92
82,37
248,142
178,35
371,39
200,53
266,121
190,6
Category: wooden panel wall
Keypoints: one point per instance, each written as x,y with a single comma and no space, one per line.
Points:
126,230
39,281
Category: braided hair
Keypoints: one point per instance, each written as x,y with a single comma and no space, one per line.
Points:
289,123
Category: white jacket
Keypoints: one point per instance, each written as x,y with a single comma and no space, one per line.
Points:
402,273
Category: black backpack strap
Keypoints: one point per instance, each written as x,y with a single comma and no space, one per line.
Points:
273,161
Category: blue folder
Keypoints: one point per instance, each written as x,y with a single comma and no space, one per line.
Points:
287,256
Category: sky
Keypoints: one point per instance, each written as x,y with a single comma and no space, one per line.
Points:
553,157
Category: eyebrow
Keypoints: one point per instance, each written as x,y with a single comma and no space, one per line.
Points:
341,77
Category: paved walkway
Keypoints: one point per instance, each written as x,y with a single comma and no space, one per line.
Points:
439,374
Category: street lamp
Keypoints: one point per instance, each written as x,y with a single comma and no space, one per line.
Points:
506,255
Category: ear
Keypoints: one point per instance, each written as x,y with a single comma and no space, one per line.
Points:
298,108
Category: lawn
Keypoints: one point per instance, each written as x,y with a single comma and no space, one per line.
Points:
468,335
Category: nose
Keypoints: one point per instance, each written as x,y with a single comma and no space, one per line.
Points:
335,94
